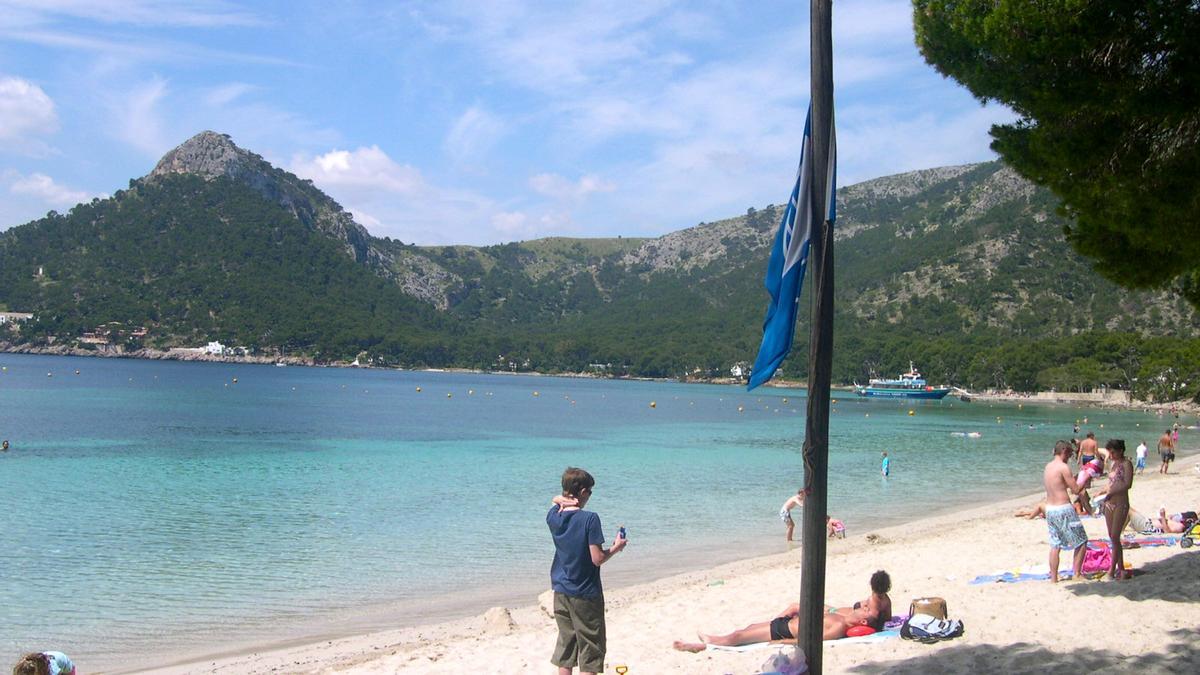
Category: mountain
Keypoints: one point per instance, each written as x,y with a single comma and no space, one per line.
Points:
964,269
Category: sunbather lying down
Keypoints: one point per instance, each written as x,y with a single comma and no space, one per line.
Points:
1172,524
874,612
1038,510
782,627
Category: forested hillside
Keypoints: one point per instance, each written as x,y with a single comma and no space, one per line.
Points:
964,270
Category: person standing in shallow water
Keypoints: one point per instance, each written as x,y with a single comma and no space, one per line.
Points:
886,466
1166,451
785,511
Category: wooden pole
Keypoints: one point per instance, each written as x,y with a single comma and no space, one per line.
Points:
820,358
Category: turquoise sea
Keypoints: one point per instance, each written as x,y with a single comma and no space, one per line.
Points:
154,511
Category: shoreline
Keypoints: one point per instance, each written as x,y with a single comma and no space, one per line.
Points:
1116,400
449,646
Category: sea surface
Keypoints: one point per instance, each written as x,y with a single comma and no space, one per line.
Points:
151,510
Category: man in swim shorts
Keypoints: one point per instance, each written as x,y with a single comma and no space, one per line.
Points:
875,611
1166,451
785,511
1066,531
1087,450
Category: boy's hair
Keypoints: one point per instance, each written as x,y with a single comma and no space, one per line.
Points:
575,480
34,663
880,583
1091,434
1061,447
1117,444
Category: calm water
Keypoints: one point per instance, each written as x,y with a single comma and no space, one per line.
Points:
160,509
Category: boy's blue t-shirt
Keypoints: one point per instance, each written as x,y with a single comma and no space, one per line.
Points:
573,572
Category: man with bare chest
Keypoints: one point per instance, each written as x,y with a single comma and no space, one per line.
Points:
1066,530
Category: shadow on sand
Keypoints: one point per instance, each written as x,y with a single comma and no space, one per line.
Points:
1182,656
1174,579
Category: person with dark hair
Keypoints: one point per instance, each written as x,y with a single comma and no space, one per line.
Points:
1087,450
44,663
575,576
1066,531
1166,451
873,611
1116,504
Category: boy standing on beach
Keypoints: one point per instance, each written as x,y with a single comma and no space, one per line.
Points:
575,576
1066,531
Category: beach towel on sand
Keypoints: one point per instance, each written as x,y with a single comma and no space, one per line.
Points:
873,637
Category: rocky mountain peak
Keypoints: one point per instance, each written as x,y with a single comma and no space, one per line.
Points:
209,155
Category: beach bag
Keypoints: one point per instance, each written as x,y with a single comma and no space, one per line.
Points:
1097,560
929,629
935,607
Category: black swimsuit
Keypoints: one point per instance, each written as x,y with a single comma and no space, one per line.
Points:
780,629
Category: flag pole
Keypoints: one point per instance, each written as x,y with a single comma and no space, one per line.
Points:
820,359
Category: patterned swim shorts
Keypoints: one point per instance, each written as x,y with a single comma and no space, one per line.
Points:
1066,531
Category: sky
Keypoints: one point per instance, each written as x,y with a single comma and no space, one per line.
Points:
456,122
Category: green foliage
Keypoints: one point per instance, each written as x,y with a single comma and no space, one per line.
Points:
193,260
1109,97
969,276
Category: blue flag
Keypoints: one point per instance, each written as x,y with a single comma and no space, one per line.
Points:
789,260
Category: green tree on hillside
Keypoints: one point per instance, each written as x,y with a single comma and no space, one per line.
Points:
1108,93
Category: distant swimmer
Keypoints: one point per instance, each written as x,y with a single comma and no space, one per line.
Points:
785,511
974,434
886,465
4,446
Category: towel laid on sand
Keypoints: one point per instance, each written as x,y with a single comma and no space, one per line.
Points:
1017,577
873,637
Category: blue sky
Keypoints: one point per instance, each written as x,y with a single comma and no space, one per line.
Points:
471,122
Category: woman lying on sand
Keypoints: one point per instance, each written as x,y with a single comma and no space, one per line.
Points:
873,612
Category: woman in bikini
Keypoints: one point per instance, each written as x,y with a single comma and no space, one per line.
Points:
1116,504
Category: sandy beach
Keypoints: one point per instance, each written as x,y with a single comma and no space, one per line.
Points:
1145,624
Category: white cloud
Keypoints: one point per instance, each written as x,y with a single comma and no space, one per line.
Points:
472,135
557,187
222,96
46,190
183,13
512,223
364,169
25,113
138,119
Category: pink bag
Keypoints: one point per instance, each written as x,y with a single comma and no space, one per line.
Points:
1097,560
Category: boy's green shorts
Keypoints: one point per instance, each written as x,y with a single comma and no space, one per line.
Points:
581,641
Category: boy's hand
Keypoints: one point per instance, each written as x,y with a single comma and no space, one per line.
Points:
618,545
565,502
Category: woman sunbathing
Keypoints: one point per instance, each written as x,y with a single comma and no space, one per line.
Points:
873,612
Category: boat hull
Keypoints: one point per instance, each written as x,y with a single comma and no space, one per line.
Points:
934,393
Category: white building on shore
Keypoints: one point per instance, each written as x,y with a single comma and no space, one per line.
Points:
14,317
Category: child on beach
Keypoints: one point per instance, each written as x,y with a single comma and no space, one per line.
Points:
575,576
785,511
44,663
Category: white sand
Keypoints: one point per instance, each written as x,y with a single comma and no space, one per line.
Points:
1146,624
